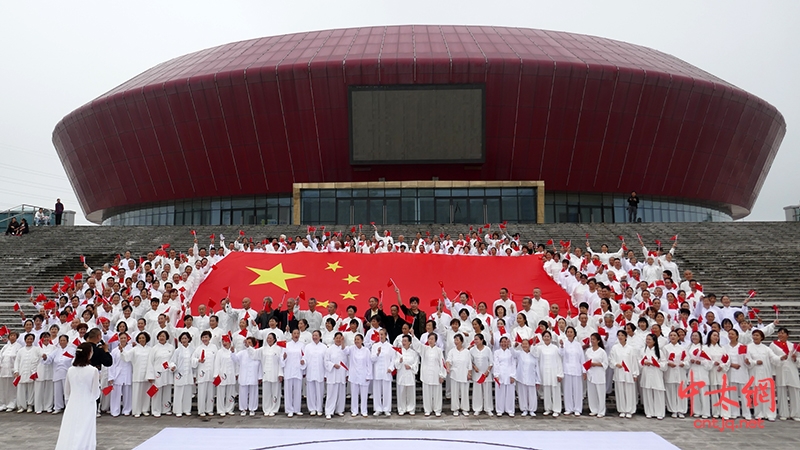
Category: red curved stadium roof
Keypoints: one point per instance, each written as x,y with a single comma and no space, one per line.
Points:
583,113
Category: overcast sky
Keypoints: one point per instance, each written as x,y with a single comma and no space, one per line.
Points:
58,55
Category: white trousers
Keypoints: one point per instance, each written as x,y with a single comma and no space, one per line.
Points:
121,401
205,397
597,398
407,398
527,397
248,397
459,396
712,399
43,395
335,398
432,398
292,394
552,398
573,393
58,396
8,393
161,403
761,410
314,395
625,394
653,402
25,395
482,396
382,395
359,395
141,402
504,400
675,404
609,379
788,401
271,396
699,404
226,395
182,399
741,407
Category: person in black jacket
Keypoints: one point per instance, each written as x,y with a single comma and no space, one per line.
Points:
100,355
394,323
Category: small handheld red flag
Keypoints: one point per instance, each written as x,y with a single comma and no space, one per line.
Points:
217,380
398,350
343,365
243,333
16,306
16,380
625,366
68,355
375,337
3,330
724,359
30,290
672,357
281,344
549,242
587,365
152,391
76,342
202,354
674,238
113,338
107,390
165,365
482,379
751,293
34,376
655,361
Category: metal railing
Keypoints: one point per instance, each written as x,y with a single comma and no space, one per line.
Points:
21,211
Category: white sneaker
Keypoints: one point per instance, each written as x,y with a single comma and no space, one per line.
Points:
489,413
546,413
204,414
628,416
312,413
290,415
533,414
353,415
365,415
387,413
299,414
252,413
510,414
400,413
328,417
524,413
476,413
577,414
555,414
222,414
178,415
243,413
411,413
455,413
438,414
622,415
376,413
499,414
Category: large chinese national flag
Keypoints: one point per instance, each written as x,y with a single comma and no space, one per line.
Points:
351,279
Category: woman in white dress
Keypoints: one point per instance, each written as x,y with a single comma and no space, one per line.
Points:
315,373
482,361
181,367
699,366
432,374
458,365
522,331
293,369
159,374
82,388
527,379
675,375
499,331
551,373
760,361
360,375
504,366
597,360
203,364
382,355
270,356
572,358
335,376
407,363
329,333
652,366
120,376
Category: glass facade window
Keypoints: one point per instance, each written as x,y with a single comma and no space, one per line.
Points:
562,207
249,210
415,206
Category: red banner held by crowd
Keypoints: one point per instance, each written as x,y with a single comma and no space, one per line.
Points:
351,279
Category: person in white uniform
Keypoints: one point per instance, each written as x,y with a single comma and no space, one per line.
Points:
482,362
360,374
181,367
335,377
224,377
120,377
432,374
315,373
458,365
383,356
597,360
293,368
505,372
551,373
62,361
270,356
527,379
139,357
407,363
203,364
573,358
652,366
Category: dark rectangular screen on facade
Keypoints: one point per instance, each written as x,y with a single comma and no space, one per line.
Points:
411,124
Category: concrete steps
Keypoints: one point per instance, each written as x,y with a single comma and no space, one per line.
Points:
727,258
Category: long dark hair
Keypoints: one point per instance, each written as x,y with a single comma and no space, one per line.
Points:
83,354
655,345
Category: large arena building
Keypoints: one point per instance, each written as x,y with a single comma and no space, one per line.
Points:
419,124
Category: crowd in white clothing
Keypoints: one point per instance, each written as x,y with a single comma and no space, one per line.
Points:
631,327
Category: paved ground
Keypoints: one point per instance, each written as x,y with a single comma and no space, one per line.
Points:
40,432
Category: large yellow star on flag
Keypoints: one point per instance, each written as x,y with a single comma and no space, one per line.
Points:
349,295
333,266
352,279
276,276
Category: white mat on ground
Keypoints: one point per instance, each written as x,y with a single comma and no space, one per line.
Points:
325,439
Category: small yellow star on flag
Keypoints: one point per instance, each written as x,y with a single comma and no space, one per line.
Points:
352,279
276,276
349,295
333,266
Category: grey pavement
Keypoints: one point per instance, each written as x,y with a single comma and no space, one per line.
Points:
34,432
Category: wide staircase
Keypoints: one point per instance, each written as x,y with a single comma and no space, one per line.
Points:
727,258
